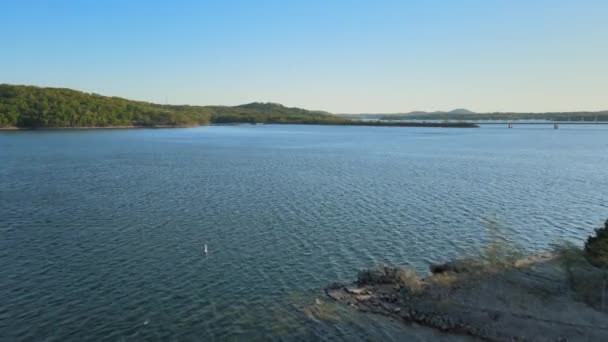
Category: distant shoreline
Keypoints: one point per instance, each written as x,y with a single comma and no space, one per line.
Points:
362,123
85,128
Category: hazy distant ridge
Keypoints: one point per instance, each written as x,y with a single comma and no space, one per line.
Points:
465,114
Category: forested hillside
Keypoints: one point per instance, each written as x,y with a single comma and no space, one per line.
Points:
35,107
27,106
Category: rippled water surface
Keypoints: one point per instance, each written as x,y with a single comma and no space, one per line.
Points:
102,232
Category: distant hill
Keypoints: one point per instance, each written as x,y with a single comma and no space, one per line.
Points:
270,107
506,116
461,111
36,107
408,114
453,111
465,114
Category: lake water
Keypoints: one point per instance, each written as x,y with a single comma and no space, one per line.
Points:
102,232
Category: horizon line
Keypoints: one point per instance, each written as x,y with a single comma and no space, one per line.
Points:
472,112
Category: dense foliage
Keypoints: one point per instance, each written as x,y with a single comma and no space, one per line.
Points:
271,113
596,247
26,106
34,107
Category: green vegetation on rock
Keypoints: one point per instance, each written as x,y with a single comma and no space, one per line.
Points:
596,247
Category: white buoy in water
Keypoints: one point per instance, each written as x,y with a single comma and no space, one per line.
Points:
205,248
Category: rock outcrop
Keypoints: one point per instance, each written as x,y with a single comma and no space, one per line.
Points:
530,301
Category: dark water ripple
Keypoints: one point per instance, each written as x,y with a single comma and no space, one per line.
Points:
101,232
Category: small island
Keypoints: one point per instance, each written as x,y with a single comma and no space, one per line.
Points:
29,107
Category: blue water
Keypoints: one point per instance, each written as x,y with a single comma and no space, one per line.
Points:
102,232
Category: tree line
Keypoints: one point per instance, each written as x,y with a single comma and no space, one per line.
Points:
36,107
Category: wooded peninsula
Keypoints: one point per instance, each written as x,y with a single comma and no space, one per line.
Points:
31,107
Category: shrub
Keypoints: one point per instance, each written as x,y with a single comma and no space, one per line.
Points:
390,275
589,283
596,247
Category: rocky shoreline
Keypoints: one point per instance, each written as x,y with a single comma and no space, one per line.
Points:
528,300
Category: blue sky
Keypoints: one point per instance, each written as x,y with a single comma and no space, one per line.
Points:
341,56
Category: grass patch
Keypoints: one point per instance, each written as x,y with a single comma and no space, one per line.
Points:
498,254
588,282
443,279
389,275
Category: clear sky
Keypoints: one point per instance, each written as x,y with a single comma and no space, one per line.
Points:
342,56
